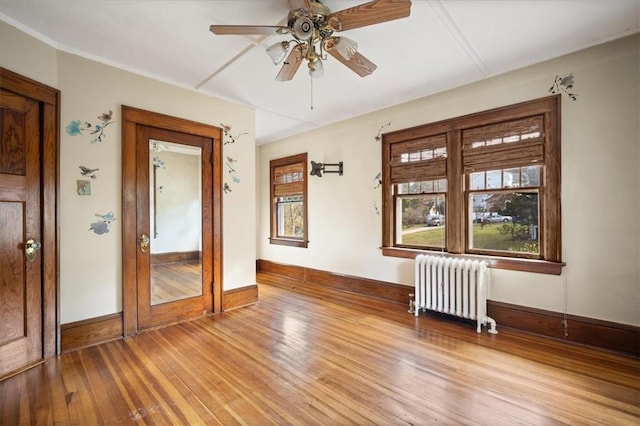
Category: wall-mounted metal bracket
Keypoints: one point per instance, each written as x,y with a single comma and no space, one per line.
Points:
318,168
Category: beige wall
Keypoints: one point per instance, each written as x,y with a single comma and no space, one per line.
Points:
600,179
27,56
600,185
90,264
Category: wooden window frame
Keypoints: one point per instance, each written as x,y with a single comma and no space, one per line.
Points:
457,208
300,159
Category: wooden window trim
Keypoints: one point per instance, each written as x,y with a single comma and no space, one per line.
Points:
457,227
496,262
273,165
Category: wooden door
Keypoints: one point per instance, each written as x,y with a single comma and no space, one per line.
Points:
21,337
173,283
134,121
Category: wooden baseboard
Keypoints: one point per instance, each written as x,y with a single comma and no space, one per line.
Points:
377,289
611,336
182,256
93,331
240,297
90,332
607,335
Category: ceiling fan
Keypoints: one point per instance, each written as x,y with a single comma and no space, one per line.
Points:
312,26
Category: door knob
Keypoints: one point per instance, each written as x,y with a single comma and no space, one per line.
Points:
30,247
144,243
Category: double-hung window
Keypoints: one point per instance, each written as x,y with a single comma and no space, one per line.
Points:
419,184
288,177
485,184
503,167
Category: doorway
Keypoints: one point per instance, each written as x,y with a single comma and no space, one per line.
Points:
28,263
172,243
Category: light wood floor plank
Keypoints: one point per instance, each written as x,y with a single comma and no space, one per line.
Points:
309,356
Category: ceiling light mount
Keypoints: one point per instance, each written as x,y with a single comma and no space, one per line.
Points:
302,28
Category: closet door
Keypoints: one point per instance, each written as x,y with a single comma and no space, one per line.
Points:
174,227
21,335
150,208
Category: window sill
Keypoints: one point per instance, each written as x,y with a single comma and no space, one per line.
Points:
496,262
288,242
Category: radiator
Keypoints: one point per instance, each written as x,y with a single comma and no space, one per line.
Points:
453,286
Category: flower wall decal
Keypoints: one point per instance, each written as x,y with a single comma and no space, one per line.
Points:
229,161
564,85
379,135
227,133
377,180
101,226
232,172
78,127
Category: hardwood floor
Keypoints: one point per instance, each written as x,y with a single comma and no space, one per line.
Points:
308,356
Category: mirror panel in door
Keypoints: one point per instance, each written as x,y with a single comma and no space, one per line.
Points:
175,195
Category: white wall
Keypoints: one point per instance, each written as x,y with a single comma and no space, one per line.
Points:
90,264
600,185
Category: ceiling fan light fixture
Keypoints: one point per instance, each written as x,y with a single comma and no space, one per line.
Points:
311,26
346,47
316,68
278,51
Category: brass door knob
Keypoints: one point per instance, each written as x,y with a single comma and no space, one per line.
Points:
144,243
30,248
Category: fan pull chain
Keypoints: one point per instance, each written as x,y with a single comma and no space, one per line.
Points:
311,77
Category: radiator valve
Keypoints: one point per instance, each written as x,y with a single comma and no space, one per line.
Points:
412,303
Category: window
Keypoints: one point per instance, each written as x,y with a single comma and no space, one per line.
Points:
486,184
288,179
418,172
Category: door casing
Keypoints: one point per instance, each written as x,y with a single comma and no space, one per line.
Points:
131,119
49,99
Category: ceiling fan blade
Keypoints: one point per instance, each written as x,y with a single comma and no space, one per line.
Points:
291,64
248,29
358,63
299,4
374,12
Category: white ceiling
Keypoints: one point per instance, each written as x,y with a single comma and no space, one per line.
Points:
443,44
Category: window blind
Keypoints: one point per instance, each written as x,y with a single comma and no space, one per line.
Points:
288,180
419,159
513,143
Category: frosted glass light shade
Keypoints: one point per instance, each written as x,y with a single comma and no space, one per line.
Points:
277,52
346,47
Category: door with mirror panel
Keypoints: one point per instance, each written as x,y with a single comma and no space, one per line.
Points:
174,210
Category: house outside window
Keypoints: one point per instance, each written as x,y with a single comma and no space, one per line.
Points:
288,177
485,185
